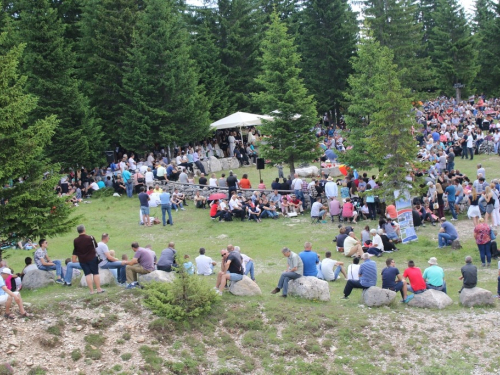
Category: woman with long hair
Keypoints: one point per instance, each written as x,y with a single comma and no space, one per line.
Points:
483,240
474,212
490,203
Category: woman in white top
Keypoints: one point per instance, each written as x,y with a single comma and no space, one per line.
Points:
149,176
212,181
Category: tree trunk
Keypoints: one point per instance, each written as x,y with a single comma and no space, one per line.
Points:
291,165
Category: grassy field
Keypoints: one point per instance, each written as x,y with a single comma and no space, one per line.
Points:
268,335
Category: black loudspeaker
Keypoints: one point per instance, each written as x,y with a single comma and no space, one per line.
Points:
260,163
110,157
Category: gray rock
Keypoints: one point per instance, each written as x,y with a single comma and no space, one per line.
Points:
233,163
455,245
224,164
245,287
431,299
334,171
38,279
162,276
105,277
375,296
309,287
476,297
312,171
215,164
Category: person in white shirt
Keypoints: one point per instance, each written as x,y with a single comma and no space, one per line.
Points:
204,265
150,160
377,246
353,270
328,265
247,263
149,176
213,181
94,186
331,188
352,247
318,210
131,163
231,141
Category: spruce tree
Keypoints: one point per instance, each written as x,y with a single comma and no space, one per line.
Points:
106,34
49,63
284,96
486,28
394,23
163,101
28,209
377,96
453,51
239,32
327,40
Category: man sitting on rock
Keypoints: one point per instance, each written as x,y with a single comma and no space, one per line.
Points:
44,263
309,259
367,276
108,261
434,276
469,274
392,279
294,270
417,282
167,258
142,263
7,296
327,266
352,247
204,264
231,268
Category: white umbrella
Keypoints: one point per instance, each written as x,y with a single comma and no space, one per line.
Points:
239,119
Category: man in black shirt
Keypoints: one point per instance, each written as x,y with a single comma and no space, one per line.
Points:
202,180
469,274
231,183
231,268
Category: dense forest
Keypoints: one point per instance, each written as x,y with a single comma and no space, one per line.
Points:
141,72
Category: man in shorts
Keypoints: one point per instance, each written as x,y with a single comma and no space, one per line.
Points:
84,249
144,201
231,268
392,279
7,296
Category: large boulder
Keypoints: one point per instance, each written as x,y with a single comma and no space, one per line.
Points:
476,297
224,164
233,163
333,171
161,276
38,279
431,299
245,287
375,296
215,164
312,171
105,277
309,287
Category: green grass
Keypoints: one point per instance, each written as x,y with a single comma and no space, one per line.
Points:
265,334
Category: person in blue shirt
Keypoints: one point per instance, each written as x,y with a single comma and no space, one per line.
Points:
129,182
309,259
451,191
166,206
367,276
447,233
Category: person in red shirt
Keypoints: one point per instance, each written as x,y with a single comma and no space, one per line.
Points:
245,182
414,274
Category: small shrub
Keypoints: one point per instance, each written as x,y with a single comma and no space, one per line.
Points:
106,192
126,336
126,356
37,371
49,343
54,330
92,352
6,369
185,297
120,341
76,355
95,339
154,363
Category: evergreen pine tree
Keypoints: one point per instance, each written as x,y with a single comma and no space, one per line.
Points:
106,34
377,96
239,33
49,64
28,209
394,23
207,57
453,51
327,41
163,102
283,96
486,28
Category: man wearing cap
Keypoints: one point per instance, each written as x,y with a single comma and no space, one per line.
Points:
434,276
367,276
331,188
294,270
7,296
447,233
469,274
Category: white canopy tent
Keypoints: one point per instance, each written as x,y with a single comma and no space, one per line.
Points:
238,120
